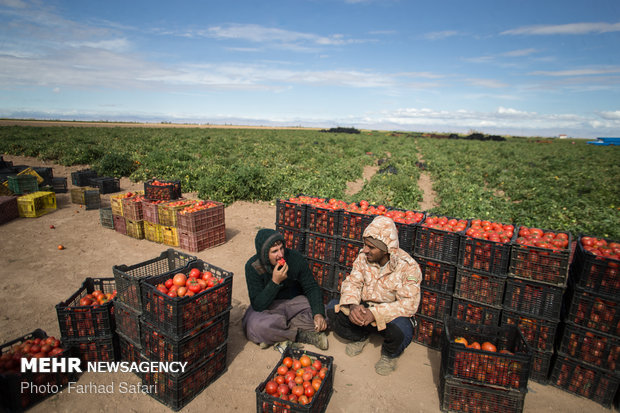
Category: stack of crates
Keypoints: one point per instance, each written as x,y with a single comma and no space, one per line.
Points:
82,177
490,377
23,184
89,328
201,226
118,213
87,196
589,350
134,216
162,198
533,297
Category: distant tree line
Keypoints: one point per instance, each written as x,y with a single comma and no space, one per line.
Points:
341,130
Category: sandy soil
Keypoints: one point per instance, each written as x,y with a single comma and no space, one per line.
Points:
36,276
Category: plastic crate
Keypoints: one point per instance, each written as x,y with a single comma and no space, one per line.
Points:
594,273
116,201
128,323
86,195
320,247
537,299
129,351
540,264
539,333
36,204
193,349
4,188
180,315
475,313
322,272
268,403
428,331
168,211
507,370
129,277
437,244
591,347
406,233
322,220
329,295
339,274
30,171
479,286
201,240
24,184
135,229
294,239
291,214
59,184
347,251
352,224
583,380
594,311
82,178
202,219
150,209
14,398
46,173
460,396
177,390
8,208
541,366
434,304
120,224
439,276
152,232
170,235
132,208
164,190
484,255
106,218
85,321
106,184
95,349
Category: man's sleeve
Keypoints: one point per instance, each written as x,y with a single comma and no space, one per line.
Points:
261,294
351,287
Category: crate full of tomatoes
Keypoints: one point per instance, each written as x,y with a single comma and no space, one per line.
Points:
132,208
301,381
533,298
89,312
485,246
594,311
116,201
541,255
17,388
434,304
129,278
294,239
322,216
428,331
177,303
437,238
540,333
161,189
459,396
596,267
354,218
96,349
200,216
322,272
437,275
487,355
479,286
347,251
201,240
291,213
474,312
320,247
592,347
167,211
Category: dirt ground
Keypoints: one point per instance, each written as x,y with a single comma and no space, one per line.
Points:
36,276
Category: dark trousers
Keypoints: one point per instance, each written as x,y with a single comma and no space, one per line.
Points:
396,336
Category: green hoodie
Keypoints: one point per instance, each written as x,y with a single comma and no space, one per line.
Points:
258,271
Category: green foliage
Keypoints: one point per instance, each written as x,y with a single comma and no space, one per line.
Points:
114,164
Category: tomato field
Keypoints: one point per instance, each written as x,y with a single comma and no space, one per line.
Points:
562,185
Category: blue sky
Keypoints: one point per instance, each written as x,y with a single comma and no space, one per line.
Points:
517,67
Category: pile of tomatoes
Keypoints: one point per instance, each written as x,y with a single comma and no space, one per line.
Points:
445,224
166,190
347,252
536,237
434,304
297,380
592,347
483,288
602,248
10,361
492,231
95,298
195,282
198,206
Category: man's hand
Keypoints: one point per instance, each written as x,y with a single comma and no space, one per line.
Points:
360,315
320,324
279,273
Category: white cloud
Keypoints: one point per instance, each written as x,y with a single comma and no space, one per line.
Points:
614,115
440,35
578,72
489,83
519,53
118,45
572,28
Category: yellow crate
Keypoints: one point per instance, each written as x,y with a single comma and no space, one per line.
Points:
168,211
77,194
170,236
153,232
135,229
30,171
116,201
36,204
4,189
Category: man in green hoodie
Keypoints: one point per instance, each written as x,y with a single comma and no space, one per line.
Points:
286,303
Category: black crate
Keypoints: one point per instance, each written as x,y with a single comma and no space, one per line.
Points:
268,403
479,286
593,311
347,251
106,218
166,190
540,264
406,231
583,380
434,304
179,316
129,277
541,366
291,214
329,295
475,313
322,220
539,333
533,298
87,321
5,164
338,276
592,347
294,239
351,224
129,351
59,184
46,173
439,276
82,178
128,323
437,244
95,349
460,396
594,273
158,346
428,331
9,209
505,369
177,390
15,399
484,255
322,272
320,247
106,184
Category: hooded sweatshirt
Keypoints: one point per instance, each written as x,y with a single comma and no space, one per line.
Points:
390,291
258,271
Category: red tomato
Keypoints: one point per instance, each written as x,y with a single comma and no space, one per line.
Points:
309,391
271,387
317,364
288,362
282,369
179,279
194,273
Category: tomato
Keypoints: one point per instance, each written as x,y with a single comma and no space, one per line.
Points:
179,279
169,283
85,301
475,345
461,340
181,291
281,262
194,273
309,392
298,390
206,275
271,387
283,389
307,376
282,370
55,351
486,346
305,360
172,293
317,364
288,362
193,285
316,384
162,288
97,294
296,364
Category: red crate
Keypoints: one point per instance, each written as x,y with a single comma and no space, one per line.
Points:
539,333
201,240
434,304
128,322
160,189
595,312
437,275
428,331
120,225
591,347
132,208
533,298
294,239
460,396
322,272
211,216
150,210
594,273
291,214
8,208
479,286
320,247
347,251
475,313
322,220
